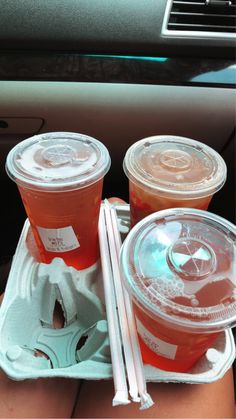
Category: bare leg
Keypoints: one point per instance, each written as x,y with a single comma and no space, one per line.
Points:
41,398
214,400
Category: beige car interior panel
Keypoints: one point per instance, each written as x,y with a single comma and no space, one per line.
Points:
118,114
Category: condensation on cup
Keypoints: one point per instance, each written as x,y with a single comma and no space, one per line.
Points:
168,171
60,179
179,266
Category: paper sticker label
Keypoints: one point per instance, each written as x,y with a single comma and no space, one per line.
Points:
157,345
58,240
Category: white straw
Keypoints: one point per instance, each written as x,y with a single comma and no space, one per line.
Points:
119,375
146,400
127,346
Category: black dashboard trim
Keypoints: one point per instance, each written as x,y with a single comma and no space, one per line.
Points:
72,67
99,26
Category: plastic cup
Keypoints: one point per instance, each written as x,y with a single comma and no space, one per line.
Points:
179,266
169,172
60,179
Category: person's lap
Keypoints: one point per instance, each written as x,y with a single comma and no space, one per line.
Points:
55,398
215,400
39,398
58,397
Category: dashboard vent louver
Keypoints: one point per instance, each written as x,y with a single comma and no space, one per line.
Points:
208,16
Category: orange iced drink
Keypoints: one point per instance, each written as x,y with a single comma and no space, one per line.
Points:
60,179
179,268
168,172
184,349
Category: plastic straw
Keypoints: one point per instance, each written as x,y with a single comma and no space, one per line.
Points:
127,346
146,400
119,375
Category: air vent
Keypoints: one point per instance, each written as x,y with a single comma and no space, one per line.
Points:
215,18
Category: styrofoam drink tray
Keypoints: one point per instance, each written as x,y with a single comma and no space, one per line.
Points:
33,345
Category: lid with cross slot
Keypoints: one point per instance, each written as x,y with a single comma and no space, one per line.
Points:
175,167
58,161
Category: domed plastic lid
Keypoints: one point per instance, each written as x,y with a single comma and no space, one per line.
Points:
58,161
180,265
175,166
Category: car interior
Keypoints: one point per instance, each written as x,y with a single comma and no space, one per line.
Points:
119,71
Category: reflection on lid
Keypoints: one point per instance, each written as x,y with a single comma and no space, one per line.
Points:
182,261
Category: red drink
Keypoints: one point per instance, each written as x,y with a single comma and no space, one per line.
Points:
78,210
179,267
170,172
60,179
144,203
181,349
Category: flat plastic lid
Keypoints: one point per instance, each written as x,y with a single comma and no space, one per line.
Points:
58,161
175,166
180,265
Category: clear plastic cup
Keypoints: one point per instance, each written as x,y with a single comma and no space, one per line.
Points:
60,179
179,266
167,172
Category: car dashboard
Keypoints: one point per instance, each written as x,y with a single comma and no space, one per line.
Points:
119,71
